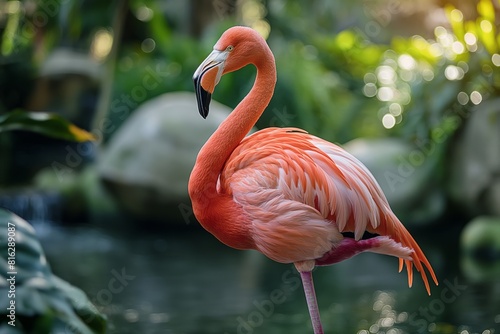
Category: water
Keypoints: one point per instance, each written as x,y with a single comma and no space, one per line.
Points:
187,282
33,205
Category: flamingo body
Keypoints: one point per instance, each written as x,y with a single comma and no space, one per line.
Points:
288,194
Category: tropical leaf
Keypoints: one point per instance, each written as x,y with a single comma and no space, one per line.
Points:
44,303
48,124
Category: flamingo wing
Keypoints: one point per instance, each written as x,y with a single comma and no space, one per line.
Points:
300,193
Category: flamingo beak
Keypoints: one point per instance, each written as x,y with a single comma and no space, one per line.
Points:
206,77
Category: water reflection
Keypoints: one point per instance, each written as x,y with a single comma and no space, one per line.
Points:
187,282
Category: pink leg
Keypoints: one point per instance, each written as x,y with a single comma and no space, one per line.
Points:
312,304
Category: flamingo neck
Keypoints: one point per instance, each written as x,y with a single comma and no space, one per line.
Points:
214,154
209,206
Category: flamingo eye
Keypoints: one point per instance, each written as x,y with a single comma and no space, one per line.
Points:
230,48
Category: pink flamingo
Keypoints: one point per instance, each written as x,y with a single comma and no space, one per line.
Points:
290,195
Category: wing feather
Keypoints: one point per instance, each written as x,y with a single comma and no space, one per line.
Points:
309,170
304,191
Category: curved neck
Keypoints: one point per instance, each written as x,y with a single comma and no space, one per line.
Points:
226,138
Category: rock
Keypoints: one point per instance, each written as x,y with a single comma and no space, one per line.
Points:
147,162
64,61
68,83
474,183
405,174
480,249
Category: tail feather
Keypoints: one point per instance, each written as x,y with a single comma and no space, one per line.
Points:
398,232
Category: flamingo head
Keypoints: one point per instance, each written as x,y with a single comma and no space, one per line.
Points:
236,48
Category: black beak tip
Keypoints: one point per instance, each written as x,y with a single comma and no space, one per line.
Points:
204,113
203,98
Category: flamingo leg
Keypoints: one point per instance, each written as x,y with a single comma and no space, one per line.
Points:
312,304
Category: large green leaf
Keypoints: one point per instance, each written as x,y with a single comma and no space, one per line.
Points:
48,124
44,303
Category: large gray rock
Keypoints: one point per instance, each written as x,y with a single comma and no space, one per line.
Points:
147,162
475,161
406,175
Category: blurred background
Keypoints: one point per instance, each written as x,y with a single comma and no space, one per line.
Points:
410,88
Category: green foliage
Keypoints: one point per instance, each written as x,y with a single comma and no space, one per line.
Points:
329,77
44,303
428,87
48,124
142,75
320,74
434,84
323,100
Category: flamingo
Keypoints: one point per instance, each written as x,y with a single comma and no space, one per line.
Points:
292,196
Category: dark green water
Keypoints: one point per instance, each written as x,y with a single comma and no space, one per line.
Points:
187,282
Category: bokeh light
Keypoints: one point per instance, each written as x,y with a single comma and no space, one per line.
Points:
370,78
148,45
407,62
386,74
486,26
385,94
495,59
458,47
253,13
428,74
463,98
453,72
388,121
370,90
101,44
470,41
456,15
144,13
395,109
476,97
